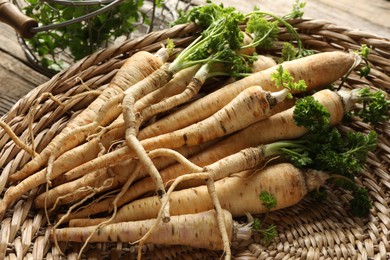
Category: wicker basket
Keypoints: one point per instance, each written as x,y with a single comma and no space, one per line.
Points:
309,230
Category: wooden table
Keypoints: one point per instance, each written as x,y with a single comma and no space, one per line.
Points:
17,76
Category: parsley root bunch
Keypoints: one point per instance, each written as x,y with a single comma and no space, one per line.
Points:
329,65
323,63
315,114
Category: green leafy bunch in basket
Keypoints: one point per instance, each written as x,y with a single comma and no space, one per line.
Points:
57,48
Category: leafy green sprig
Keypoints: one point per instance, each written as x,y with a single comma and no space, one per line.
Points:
339,153
270,232
290,52
222,38
264,32
297,10
289,27
202,15
311,114
364,51
218,42
284,79
360,204
375,105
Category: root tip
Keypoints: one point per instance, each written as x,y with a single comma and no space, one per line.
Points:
166,219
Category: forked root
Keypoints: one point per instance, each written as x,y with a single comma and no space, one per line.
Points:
209,177
16,139
93,192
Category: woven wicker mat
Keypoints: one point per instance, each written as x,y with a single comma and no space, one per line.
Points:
309,230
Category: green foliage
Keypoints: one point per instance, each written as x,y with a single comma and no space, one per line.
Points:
289,52
299,156
268,200
256,225
360,205
219,41
284,79
331,151
225,31
263,31
268,30
221,28
270,232
233,64
80,39
345,154
375,105
203,15
267,234
319,194
335,153
364,51
325,146
311,114
297,10
283,22
170,45
326,149
364,71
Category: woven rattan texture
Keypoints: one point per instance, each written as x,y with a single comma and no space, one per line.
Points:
309,230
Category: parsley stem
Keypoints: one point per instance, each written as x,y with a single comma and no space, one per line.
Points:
288,26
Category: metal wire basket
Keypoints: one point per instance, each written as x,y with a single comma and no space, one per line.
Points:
152,16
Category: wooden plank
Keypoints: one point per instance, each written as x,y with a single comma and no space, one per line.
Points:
6,103
9,42
369,16
17,78
11,69
374,11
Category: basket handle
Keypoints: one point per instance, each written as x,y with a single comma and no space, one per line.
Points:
12,16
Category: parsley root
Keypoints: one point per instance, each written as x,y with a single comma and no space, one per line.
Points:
286,182
198,230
